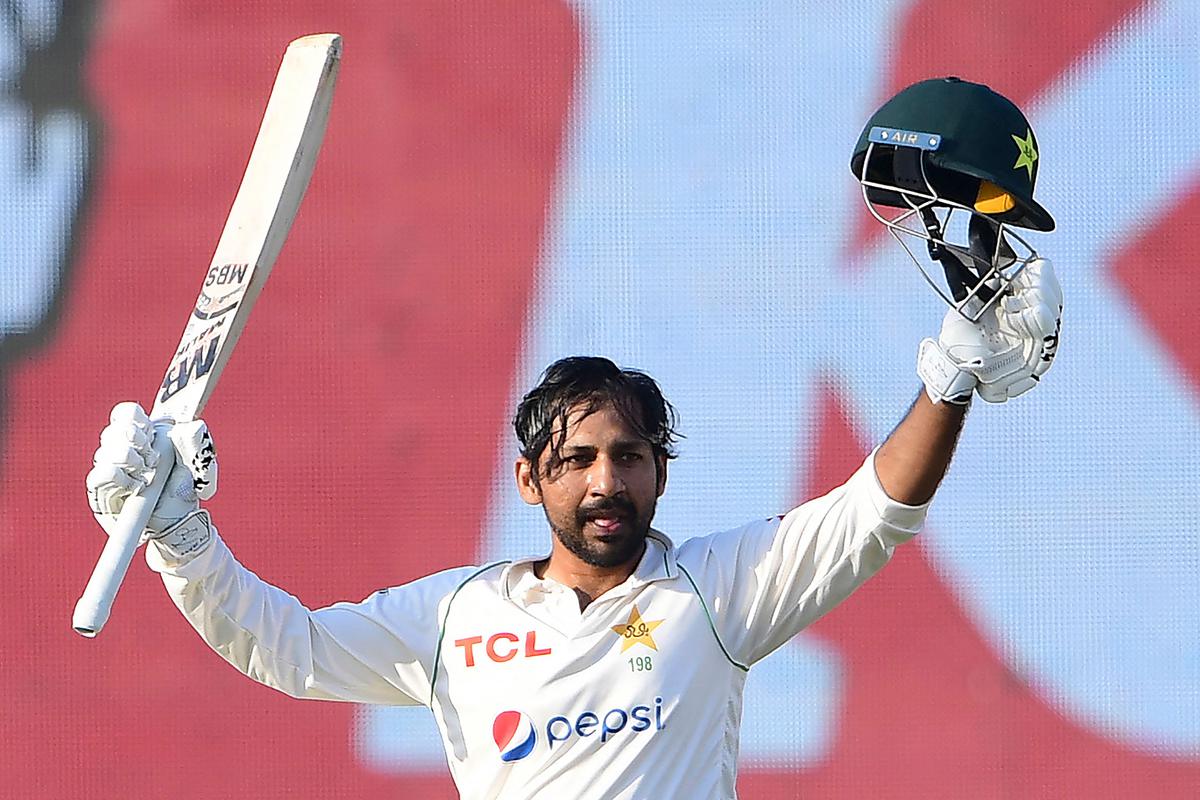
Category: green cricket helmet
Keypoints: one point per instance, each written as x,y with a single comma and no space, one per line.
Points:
957,160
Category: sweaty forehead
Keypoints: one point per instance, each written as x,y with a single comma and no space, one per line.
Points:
594,427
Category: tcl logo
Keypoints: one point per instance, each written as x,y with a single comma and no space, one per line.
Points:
501,647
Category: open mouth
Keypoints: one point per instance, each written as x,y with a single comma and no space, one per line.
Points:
608,520
607,525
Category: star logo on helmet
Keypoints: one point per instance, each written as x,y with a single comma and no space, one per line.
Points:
1026,152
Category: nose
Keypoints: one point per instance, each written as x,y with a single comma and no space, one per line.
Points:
604,479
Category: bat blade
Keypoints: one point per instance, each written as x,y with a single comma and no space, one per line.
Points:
276,178
263,210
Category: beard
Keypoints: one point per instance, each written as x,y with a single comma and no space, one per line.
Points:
611,550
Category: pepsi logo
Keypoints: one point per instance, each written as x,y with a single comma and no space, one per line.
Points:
514,735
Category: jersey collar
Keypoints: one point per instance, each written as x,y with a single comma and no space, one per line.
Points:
656,564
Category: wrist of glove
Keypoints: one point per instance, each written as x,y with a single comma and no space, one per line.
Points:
124,464
945,381
1006,353
187,537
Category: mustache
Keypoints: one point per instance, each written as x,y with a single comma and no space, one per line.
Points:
612,507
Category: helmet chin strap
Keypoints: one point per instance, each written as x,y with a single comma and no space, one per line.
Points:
976,272
966,270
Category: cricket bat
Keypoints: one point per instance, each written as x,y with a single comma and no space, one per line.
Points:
280,166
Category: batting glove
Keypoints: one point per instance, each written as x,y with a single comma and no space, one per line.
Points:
125,462
1006,353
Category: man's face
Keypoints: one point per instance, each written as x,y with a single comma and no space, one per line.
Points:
600,499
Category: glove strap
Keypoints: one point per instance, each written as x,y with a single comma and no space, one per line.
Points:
186,538
944,381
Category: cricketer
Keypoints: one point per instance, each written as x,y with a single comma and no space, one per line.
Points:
613,665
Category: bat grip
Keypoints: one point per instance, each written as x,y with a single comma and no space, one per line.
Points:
92,610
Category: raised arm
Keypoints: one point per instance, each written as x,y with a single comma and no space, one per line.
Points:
380,650
1002,355
765,582
911,463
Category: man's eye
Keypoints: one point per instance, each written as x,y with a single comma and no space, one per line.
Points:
631,457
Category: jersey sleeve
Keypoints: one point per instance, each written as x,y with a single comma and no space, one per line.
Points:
765,582
380,650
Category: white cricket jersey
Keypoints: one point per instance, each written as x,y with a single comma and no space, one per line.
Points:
637,696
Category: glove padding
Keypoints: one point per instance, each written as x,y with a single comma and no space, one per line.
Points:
125,461
1007,351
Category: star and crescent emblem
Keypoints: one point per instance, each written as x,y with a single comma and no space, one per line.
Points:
637,631
1026,152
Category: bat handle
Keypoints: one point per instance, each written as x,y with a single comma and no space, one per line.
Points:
92,610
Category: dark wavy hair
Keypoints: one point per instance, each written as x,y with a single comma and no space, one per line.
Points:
589,383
